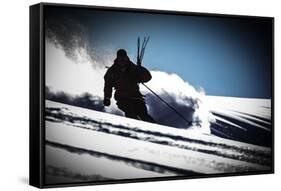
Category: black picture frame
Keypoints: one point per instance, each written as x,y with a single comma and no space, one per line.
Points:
37,94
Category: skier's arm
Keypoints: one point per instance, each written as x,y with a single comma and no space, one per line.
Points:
143,74
108,85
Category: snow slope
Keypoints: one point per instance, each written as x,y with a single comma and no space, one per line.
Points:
86,145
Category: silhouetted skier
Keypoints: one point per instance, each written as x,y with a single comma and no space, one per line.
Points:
124,76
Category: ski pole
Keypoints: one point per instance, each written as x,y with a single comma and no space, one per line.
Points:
171,107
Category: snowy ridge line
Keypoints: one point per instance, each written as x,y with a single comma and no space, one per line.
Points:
64,172
146,151
241,118
255,118
221,119
224,150
154,167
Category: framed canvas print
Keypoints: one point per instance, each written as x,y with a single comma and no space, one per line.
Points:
126,95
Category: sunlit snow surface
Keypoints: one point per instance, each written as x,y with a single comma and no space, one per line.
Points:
84,145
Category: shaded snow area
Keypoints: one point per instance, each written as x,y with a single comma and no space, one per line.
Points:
85,145
242,119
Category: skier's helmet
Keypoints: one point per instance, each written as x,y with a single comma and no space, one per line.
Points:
121,53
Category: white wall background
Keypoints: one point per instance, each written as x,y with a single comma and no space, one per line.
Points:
14,80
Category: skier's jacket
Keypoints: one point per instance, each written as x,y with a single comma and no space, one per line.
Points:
125,79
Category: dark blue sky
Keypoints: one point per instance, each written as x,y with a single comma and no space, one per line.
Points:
224,56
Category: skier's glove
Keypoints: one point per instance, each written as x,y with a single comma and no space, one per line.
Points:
106,102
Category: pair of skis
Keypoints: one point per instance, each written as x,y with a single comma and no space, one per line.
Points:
141,49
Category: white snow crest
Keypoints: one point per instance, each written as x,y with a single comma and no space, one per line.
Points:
179,94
